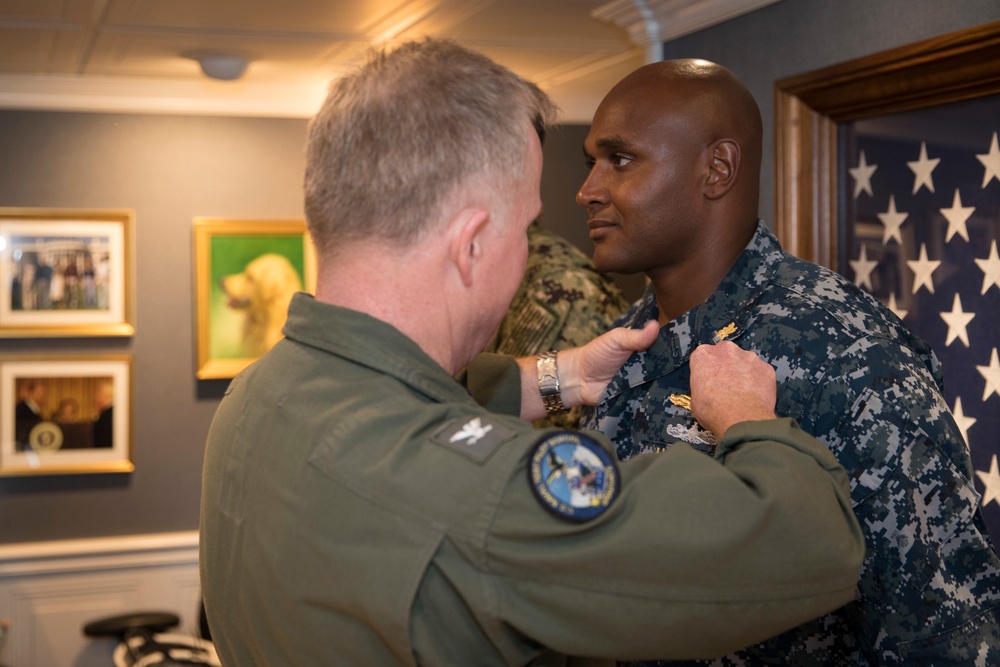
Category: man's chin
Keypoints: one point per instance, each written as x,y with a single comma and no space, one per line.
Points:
607,262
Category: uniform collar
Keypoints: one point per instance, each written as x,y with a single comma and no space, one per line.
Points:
723,316
370,342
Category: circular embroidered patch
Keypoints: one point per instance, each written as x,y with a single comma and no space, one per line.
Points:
572,476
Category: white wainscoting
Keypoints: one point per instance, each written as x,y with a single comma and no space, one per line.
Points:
50,590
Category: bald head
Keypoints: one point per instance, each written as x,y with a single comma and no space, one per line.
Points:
705,103
720,100
675,151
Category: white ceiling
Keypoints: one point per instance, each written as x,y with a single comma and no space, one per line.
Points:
129,55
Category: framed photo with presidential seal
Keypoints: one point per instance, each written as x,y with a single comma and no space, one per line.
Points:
65,414
66,272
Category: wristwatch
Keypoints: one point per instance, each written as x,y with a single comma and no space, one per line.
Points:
548,383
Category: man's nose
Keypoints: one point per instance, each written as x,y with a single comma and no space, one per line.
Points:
592,192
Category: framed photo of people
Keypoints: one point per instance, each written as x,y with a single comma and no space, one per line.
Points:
246,272
65,414
888,171
66,273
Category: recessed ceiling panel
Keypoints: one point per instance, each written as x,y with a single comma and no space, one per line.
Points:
128,54
71,11
275,16
39,51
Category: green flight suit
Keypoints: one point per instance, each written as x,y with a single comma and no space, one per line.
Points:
341,525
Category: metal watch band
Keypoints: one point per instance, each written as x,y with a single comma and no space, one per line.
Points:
548,383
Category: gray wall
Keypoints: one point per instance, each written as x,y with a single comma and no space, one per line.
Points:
797,36
170,169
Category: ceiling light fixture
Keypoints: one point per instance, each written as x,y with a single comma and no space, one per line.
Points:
218,65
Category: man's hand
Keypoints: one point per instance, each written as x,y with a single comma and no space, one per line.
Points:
730,385
584,372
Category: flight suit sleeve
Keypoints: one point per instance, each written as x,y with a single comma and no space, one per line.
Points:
694,558
494,381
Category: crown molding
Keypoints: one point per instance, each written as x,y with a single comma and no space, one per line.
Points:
649,23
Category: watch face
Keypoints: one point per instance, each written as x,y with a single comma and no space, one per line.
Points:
548,376
548,383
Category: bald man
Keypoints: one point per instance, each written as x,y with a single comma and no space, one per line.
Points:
672,192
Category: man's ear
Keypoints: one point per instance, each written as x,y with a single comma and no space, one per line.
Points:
724,164
466,247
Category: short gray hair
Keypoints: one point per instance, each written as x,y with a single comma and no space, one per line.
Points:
403,132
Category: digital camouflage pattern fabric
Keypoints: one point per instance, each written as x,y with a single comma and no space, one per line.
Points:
854,376
563,302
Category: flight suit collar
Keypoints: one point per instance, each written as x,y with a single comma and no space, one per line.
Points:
368,341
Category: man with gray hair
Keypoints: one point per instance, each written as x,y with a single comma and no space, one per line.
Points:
360,508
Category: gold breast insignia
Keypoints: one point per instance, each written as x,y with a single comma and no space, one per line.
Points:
726,331
681,401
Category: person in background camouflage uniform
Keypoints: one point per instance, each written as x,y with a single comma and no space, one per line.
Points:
675,153
563,302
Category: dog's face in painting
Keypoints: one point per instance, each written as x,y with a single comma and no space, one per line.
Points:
262,292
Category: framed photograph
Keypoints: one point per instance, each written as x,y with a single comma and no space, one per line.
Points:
65,414
66,273
888,172
246,272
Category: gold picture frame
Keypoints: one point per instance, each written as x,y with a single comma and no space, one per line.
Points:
65,414
959,66
245,273
66,272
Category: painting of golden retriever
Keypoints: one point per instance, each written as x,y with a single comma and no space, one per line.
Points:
261,292
245,275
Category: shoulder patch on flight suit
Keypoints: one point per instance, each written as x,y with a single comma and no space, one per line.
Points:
475,437
573,477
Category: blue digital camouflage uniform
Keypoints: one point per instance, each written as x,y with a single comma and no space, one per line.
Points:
855,377
563,302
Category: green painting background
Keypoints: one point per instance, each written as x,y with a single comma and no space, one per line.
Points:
230,254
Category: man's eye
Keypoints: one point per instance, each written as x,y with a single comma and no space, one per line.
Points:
620,160
589,162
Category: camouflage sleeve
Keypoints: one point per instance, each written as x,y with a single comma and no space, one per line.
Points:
930,586
558,311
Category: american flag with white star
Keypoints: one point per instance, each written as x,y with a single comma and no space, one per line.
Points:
921,209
